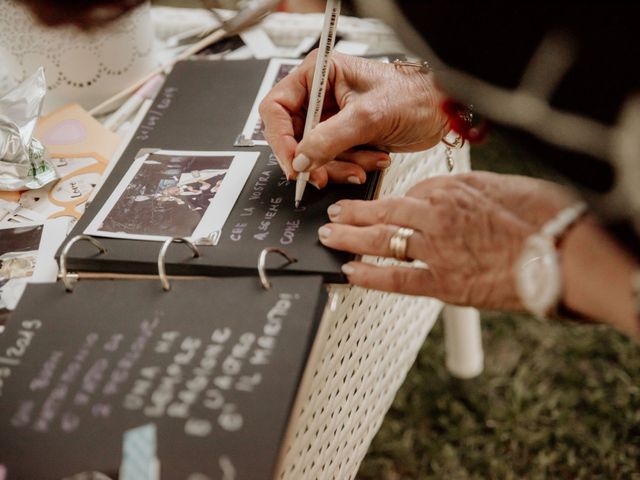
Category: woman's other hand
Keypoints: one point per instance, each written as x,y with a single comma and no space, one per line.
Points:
469,230
370,108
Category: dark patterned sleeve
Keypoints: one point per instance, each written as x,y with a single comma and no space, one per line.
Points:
511,48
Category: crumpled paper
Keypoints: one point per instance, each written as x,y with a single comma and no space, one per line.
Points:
23,160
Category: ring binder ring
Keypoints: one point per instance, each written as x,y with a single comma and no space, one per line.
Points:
64,274
262,264
162,271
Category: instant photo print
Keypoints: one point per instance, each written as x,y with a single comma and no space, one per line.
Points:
19,245
168,194
253,131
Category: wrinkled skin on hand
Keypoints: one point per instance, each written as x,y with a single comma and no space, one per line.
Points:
370,108
469,231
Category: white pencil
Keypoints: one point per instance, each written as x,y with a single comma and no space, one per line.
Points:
319,84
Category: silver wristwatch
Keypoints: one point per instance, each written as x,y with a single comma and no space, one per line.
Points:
537,271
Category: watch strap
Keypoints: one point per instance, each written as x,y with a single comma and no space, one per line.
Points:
550,234
558,225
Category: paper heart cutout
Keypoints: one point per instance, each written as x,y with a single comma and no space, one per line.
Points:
67,132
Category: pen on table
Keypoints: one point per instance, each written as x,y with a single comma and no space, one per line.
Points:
147,91
319,83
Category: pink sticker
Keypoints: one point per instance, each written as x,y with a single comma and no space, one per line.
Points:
67,132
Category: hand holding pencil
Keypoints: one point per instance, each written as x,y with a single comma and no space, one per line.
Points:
319,85
369,108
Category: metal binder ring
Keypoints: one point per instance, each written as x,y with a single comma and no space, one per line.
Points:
64,274
162,271
262,264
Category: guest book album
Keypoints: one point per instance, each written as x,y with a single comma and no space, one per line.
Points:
212,365
202,111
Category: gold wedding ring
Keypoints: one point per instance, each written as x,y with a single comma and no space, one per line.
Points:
398,243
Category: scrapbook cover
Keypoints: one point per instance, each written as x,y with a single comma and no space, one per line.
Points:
209,370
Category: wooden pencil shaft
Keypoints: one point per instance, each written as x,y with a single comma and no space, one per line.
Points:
319,82
321,72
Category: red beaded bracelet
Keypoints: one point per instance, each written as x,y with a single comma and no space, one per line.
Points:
461,121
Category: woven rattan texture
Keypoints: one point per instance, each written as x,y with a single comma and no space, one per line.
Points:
366,344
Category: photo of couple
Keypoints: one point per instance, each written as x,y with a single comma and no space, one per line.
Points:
171,194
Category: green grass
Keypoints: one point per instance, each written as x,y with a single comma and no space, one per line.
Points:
556,400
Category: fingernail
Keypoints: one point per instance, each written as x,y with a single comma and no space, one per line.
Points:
286,171
383,164
334,210
348,269
311,182
301,163
355,180
280,163
324,232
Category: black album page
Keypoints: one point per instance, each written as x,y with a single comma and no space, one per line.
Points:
213,365
204,106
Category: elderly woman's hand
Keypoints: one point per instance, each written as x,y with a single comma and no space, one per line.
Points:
370,108
469,230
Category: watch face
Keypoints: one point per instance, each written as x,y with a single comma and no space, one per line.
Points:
538,275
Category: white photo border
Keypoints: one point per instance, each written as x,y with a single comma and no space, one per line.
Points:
266,86
208,229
